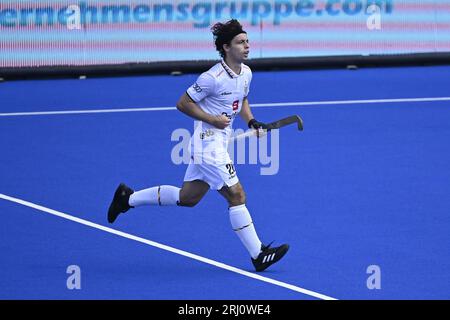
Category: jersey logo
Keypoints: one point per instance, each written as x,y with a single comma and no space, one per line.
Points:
225,93
207,133
235,105
197,88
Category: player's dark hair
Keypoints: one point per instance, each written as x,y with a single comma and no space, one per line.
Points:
224,33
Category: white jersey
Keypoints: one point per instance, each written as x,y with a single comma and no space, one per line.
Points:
219,91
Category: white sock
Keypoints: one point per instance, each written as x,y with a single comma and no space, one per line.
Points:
242,224
160,195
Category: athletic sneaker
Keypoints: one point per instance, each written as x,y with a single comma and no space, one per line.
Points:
269,256
119,203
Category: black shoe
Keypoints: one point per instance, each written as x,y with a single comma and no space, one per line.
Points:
269,256
119,203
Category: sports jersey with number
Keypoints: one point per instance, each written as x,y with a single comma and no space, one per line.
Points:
219,91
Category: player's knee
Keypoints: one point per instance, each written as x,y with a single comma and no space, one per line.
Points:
188,201
189,204
238,198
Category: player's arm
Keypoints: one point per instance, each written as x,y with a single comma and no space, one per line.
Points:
189,107
247,115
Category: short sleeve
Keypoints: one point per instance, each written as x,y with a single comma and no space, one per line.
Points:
203,87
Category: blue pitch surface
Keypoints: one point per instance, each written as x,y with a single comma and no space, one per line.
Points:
363,184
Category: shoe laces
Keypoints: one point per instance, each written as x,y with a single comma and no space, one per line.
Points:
265,248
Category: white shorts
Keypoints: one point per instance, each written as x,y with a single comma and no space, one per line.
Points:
216,175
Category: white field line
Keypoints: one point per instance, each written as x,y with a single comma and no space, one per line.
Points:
167,248
255,105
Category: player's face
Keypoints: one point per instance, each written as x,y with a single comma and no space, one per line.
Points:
239,48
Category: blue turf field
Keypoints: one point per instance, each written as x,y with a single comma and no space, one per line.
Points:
363,184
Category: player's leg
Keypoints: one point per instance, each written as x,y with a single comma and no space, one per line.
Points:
240,218
194,186
192,192
241,221
235,195
189,195
126,198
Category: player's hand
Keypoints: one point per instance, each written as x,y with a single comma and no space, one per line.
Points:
220,121
260,127
255,124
